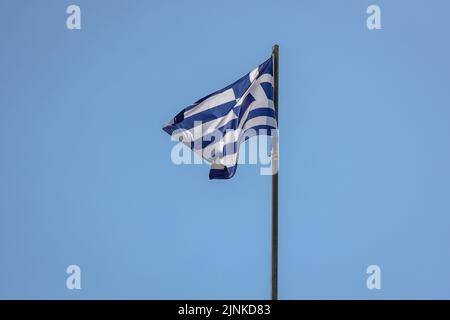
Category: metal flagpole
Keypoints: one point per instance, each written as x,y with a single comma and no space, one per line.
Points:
275,181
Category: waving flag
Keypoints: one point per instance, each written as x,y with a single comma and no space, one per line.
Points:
214,126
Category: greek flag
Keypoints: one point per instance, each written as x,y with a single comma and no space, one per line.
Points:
214,126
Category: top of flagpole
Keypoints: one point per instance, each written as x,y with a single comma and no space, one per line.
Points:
275,51
275,75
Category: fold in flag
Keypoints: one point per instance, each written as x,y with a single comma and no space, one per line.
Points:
214,126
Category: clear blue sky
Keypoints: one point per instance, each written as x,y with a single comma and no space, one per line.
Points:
86,176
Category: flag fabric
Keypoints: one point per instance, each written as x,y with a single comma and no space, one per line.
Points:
215,126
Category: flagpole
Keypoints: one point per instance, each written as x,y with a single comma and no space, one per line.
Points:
275,181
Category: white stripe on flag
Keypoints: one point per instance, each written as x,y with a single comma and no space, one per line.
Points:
212,102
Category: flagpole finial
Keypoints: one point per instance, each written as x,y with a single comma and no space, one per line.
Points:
275,48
